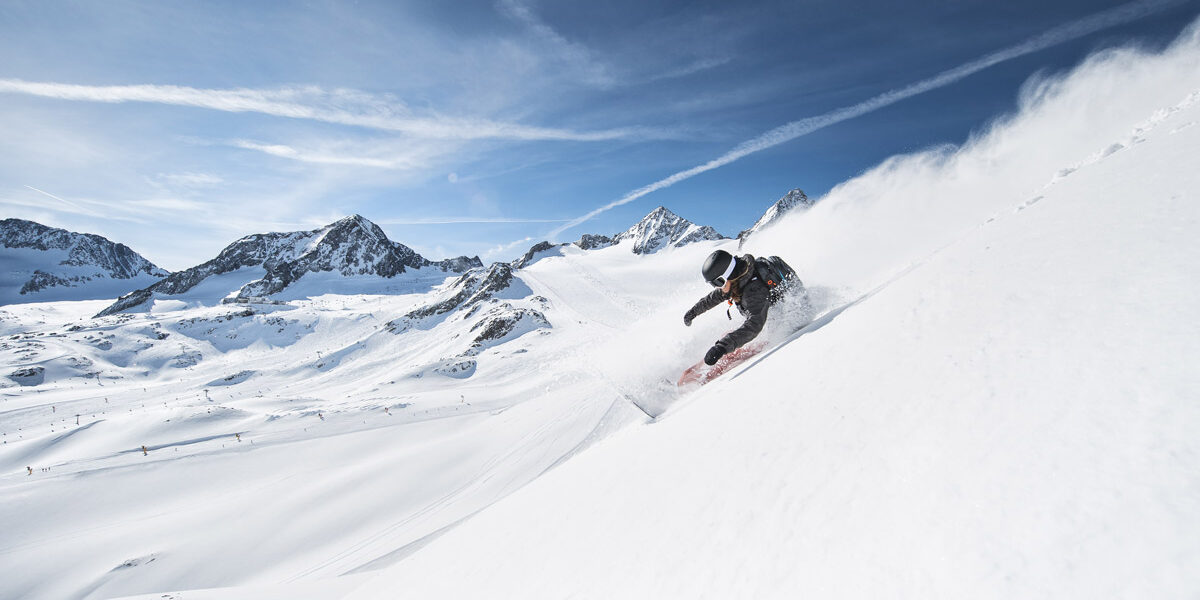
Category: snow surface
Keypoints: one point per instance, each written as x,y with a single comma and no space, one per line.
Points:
996,399
1005,407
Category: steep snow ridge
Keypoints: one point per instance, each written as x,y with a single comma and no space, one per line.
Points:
990,413
537,252
39,264
793,200
873,226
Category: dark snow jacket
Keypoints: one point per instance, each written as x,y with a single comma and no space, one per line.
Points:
752,298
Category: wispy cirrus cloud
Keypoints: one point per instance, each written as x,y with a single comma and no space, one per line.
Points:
188,180
790,131
505,249
338,106
464,221
582,61
400,161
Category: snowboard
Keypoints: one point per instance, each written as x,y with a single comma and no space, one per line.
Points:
700,373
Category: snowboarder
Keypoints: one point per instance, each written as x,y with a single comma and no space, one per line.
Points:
747,283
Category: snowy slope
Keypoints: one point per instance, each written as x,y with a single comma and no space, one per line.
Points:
1003,408
323,436
996,402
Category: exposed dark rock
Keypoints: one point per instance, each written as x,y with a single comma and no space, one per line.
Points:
470,289
462,264
83,249
591,241
29,376
42,280
502,321
72,260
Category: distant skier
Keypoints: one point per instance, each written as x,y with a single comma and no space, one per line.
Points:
752,284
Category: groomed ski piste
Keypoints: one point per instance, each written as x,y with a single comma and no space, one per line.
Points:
996,399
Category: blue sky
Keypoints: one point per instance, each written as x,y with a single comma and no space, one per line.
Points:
482,127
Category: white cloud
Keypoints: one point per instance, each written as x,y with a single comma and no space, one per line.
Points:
189,180
462,221
340,106
578,57
406,161
170,205
504,249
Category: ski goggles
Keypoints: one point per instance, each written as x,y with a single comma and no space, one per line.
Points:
719,281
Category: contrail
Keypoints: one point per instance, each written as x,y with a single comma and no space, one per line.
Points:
785,133
63,200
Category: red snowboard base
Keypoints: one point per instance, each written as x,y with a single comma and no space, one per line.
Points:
700,373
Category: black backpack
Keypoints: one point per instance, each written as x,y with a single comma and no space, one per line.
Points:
776,274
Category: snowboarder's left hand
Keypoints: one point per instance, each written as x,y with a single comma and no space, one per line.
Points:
714,354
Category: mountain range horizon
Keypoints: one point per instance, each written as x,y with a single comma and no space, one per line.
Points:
660,228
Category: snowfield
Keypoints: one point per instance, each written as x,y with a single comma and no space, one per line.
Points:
995,398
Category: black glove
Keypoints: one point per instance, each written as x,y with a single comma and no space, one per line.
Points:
714,354
687,319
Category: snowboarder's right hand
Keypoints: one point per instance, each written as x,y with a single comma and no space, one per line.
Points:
687,319
714,354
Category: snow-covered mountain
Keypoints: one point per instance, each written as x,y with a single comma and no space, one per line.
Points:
795,199
264,265
658,230
664,229
40,263
996,400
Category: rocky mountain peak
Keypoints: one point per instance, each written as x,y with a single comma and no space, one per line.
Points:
355,226
43,260
350,246
83,249
663,229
